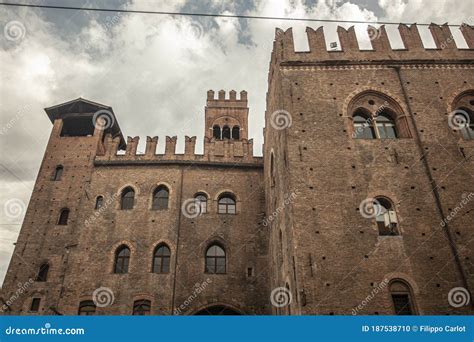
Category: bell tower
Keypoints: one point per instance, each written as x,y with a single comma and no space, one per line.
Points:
226,118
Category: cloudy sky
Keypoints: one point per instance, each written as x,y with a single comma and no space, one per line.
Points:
154,70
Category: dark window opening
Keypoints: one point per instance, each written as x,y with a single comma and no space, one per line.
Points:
99,202
43,272
401,298
160,198
141,307
122,260
128,199
63,217
161,259
226,132
58,173
35,304
86,308
236,133
215,260
216,132
77,126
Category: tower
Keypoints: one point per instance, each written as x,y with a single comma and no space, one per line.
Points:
226,118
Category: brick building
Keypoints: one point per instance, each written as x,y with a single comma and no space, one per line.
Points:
361,203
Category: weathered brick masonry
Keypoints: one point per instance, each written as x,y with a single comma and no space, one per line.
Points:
298,223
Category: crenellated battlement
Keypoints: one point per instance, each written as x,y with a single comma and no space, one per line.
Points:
223,101
215,150
446,49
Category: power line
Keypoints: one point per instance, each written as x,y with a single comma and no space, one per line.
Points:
213,15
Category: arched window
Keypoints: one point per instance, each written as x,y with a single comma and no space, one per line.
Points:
226,204
236,132
161,259
363,126
63,217
386,127
226,132
122,259
216,132
99,202
215,260
201,201
86,308
386,216
141,307
43,272
401,298
160,198
127,199
58,173
377,116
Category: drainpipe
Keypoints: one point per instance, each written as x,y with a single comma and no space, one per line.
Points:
180,197
434,186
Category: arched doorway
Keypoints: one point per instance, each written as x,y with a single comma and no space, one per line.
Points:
217,310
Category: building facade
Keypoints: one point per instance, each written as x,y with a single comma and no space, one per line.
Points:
361,204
